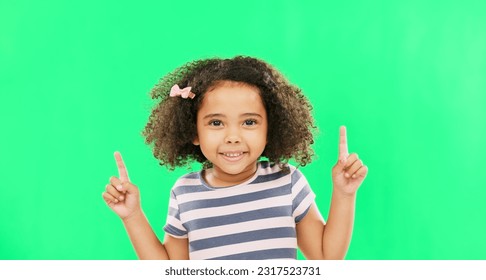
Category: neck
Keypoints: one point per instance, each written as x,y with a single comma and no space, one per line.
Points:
217,178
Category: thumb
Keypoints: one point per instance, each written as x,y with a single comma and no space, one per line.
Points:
340,166
128,187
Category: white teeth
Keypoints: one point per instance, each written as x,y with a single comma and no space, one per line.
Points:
233,154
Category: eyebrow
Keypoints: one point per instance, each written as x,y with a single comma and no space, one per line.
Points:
217,115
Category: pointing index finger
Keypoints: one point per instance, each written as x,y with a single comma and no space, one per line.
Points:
343,144
122,170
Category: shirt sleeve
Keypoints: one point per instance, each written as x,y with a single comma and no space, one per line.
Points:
174,226
302,195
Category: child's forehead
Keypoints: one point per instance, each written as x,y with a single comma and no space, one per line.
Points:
218,84
232,97
232,91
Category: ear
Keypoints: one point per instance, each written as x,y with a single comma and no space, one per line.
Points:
196,141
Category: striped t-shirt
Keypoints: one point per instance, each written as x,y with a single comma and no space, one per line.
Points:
253,220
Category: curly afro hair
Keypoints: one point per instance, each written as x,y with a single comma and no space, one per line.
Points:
171,126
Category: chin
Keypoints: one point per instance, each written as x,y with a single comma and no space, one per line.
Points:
235,169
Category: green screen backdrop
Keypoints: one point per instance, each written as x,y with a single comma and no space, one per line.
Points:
407,78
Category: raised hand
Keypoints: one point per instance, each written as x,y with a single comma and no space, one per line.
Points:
349,172
120,194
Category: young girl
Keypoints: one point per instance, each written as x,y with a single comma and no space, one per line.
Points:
243,121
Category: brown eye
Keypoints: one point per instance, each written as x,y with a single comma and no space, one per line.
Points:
216,123
250,122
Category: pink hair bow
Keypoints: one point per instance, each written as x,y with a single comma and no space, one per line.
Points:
184,93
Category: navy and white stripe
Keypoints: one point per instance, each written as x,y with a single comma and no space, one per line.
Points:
253,220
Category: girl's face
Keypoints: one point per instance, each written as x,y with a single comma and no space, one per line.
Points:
232,132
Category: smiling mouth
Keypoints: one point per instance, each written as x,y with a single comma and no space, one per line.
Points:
233,156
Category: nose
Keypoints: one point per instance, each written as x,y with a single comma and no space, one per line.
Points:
232,136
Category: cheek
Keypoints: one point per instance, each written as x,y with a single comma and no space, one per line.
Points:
258,138
208,140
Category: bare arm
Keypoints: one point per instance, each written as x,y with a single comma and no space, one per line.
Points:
327,241
123,198
339,229
144,241
318,240
148,246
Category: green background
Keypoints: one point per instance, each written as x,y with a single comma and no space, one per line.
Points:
407,78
